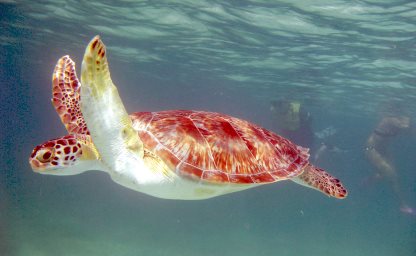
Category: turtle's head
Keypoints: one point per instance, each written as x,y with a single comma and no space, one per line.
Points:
68,155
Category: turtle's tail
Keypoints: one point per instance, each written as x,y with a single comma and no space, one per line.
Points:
319,179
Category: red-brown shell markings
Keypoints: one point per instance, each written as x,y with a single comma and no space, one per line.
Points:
219,148
57,152
66,96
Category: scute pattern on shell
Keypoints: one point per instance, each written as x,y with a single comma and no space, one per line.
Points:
218,148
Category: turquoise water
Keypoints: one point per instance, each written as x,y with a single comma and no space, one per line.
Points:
344,60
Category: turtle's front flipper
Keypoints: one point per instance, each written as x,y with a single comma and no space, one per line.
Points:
319,179
107,120
65,96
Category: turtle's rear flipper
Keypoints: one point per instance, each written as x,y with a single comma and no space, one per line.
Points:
319,179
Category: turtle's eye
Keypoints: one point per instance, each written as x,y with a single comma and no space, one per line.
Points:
44,155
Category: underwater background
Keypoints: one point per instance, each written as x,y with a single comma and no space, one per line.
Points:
345,61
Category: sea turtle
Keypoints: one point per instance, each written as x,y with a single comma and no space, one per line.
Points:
176,154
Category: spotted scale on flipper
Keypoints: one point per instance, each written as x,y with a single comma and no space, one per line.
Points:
320,180
66,96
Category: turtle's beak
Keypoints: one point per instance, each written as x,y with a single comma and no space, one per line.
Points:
34,164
